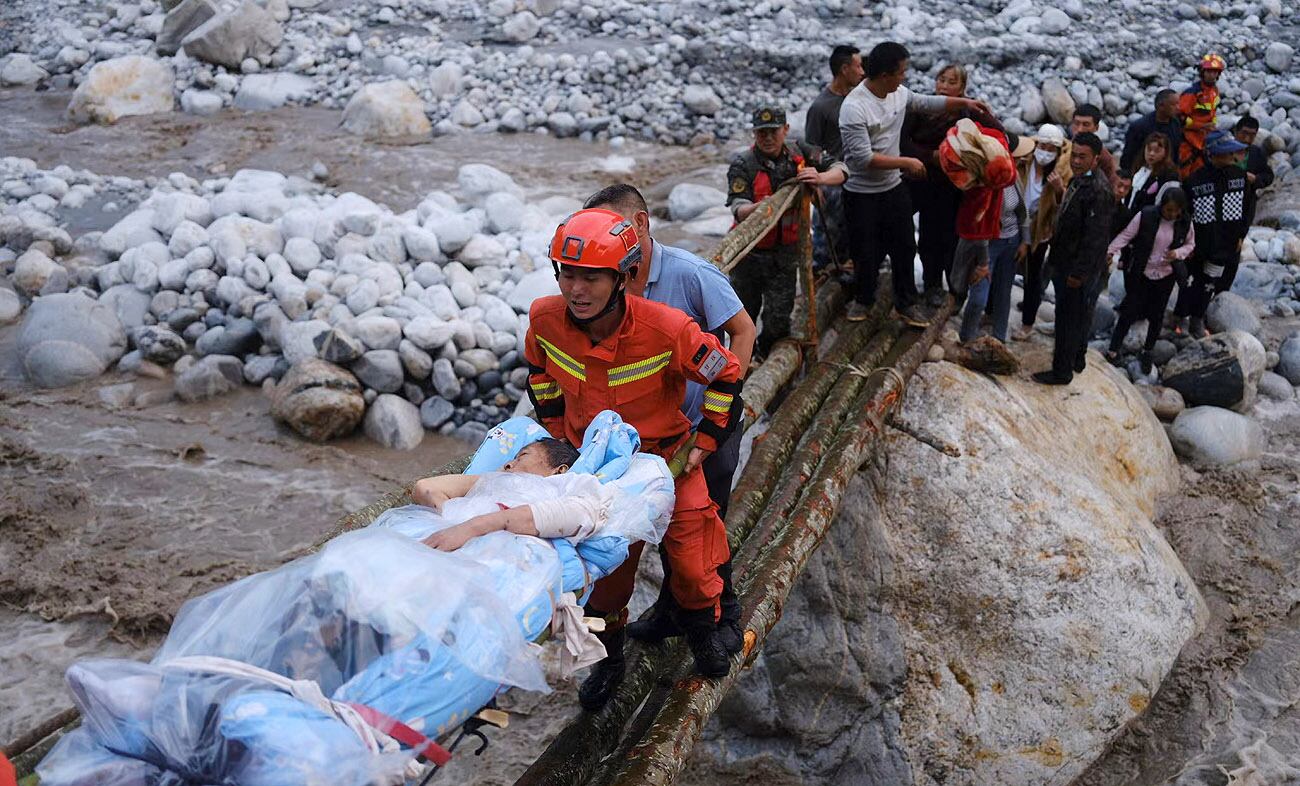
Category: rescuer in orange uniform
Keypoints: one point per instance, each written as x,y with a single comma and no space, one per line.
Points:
1199,107
594,347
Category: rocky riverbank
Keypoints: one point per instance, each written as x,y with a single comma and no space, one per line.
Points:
670,72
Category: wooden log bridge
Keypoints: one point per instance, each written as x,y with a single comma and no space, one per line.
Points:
827,403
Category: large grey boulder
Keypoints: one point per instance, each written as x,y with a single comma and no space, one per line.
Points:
69,338
386,109
479,181
159,344
1260,281
1212,436
1230,311
181,21
701,99
20,69
318,400
1058,101
229,38
123,86
991,617
260,92
688,200
1278,57
35,273
210,376
1289,363
381,370
539,283
10,306
394,422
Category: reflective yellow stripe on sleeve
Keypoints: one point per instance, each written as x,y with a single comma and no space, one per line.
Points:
545,391
718,402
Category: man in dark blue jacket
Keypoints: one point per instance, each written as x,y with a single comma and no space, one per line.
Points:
1164,119
1078,257
1259,175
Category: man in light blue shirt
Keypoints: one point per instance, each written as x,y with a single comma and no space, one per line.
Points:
680,279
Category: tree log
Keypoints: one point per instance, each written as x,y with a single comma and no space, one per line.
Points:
693,700
744,236
816,440
790,421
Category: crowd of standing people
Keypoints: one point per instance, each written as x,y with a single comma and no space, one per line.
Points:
665,339
1171,211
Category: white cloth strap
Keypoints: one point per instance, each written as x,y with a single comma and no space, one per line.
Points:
580,647
308,692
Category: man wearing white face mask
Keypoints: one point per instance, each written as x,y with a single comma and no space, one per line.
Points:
1043,178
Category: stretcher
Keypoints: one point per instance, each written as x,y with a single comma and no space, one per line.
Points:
357,664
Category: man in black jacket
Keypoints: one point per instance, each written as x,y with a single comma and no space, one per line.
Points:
1164,119
1078,257
1219,194
1259,175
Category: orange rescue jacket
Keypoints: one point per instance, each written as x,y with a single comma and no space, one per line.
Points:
640,372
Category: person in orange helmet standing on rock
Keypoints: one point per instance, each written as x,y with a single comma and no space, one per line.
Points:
594,347
1199,107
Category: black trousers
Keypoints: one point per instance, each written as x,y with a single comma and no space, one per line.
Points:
1143,299
936,203
1035,284
881,224
1194,300
1073,323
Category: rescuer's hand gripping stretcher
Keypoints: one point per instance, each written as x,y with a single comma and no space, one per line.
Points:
350,665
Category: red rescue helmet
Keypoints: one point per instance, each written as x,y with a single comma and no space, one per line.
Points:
1212,62
598,239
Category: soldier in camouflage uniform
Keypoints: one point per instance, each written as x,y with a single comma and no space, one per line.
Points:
765,279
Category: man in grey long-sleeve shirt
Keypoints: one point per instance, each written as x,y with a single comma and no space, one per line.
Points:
877,206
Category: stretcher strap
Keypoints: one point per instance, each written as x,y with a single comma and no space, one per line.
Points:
430,750
375,739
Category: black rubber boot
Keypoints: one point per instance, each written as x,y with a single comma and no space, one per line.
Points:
711,658
605,676
659,626
729,632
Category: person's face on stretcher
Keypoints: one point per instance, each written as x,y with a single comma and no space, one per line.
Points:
533,459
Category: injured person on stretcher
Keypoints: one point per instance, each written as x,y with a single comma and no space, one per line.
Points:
342,666
578,513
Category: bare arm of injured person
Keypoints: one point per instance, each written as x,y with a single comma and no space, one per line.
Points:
576,515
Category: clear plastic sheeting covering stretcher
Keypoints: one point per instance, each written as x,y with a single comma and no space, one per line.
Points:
421,637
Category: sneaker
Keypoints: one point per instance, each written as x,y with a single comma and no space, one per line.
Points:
1196,328
1023,333
1049,378
858,312
912,316
935,297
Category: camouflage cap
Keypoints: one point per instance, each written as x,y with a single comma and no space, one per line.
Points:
769,117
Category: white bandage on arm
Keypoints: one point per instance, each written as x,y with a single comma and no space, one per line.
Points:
573,516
